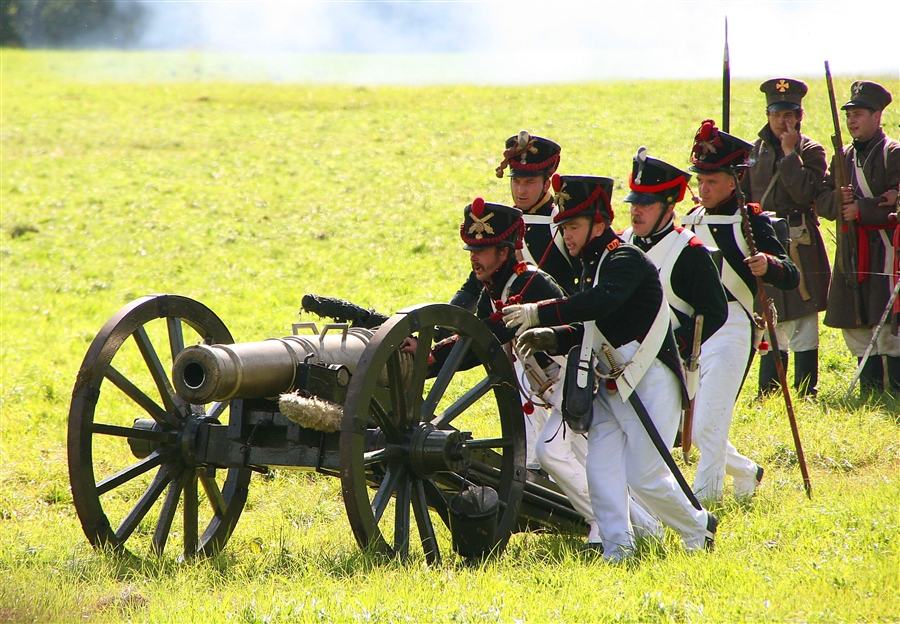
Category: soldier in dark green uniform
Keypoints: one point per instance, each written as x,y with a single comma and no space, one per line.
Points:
873,165
788,170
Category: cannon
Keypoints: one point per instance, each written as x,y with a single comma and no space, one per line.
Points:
170,417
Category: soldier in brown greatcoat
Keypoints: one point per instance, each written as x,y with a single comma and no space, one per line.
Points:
873,169
787,174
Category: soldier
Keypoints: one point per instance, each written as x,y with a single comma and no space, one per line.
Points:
531,161
620,312
873,165
788,170
717,221
688,273
504,278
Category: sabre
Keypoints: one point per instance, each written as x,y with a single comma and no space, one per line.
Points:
692,365
766,305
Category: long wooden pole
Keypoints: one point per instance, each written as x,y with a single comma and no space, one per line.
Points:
773,339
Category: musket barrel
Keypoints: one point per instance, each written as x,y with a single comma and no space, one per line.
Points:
204,373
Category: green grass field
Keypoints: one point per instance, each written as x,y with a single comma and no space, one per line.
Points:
248,196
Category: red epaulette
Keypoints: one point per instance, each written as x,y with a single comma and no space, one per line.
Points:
613,244
754,208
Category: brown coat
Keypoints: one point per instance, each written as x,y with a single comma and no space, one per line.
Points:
793,198
882,175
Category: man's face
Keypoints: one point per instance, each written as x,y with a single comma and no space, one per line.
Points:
714,188
645,216
862,123
526,192
487,260
579,232
779,121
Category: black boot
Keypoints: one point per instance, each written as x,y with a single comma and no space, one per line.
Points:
806,372
893,365
871,379
768,373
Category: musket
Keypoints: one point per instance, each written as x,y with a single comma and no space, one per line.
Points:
726,85
768,317
691,367
841,180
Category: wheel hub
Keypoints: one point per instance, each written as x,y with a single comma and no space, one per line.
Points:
436,450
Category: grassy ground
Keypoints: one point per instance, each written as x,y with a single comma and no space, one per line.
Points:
246,197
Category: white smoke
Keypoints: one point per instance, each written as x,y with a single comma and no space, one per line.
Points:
521,42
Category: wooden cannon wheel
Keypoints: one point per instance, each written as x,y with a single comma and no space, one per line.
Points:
417,460
131,439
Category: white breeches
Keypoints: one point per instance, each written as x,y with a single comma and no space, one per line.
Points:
723,359
562,454
858,341
621,455
534,422
798,335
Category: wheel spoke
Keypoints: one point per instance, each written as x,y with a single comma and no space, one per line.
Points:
162,437
213,493
401,518
445,375
165,474
386,489
392,451
384,422
435,499
423,521
176,336
419,373
150,462
137,395
167,516
191,513
171,403
399,414
487,443
465,402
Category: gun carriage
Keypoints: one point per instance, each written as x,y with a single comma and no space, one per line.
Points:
169,419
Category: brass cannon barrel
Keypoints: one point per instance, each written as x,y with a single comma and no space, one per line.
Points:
218,372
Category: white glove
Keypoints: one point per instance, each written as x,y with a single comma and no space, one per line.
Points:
524,315
535,340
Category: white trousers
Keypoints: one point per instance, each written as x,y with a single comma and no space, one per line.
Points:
800,334
858,340
723,359
621,455
563,454
534,422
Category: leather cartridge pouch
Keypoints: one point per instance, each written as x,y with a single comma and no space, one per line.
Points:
577,404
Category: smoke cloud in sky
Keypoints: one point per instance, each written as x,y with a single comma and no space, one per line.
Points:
526,42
